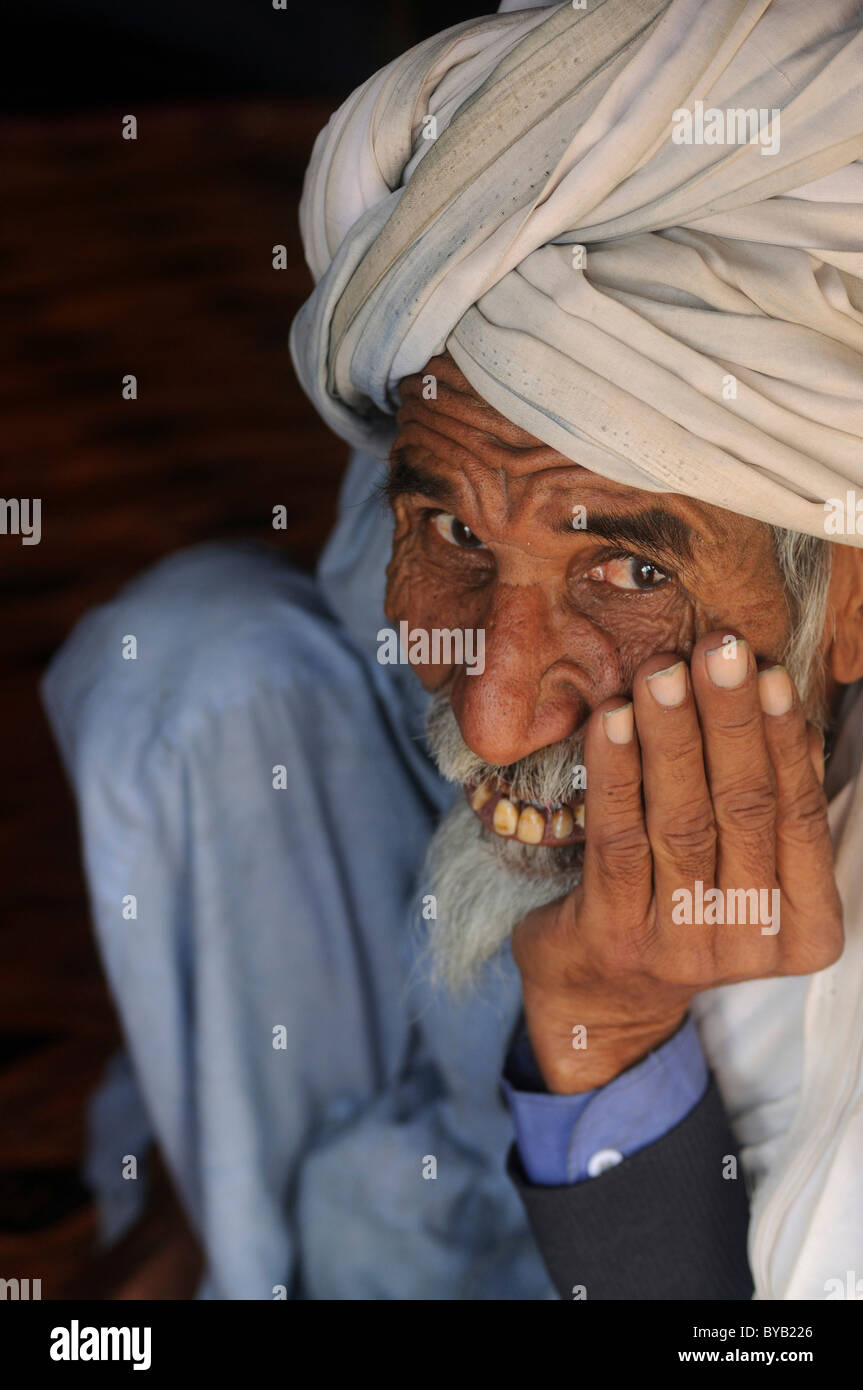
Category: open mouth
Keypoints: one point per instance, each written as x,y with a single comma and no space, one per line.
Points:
529,822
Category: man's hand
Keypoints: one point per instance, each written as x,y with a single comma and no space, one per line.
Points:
717,780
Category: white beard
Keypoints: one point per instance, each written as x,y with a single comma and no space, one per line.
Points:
483,889
485,885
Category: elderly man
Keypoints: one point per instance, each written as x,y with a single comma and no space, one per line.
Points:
589,307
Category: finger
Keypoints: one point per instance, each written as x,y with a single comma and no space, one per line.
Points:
816,751
617,874
739,769
809,912
678,809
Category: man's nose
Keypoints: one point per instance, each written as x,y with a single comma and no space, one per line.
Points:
544,669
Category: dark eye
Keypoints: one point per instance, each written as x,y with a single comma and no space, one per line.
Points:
629,572
456,532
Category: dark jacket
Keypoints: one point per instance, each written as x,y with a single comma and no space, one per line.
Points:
662,1224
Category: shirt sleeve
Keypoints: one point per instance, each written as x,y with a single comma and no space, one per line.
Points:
566,1138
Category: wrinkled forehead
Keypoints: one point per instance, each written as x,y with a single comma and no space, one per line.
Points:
445,424
440,400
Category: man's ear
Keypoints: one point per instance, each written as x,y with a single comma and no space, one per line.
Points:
845,608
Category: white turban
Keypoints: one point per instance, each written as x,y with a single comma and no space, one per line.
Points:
711,342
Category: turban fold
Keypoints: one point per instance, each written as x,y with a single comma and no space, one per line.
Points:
708,340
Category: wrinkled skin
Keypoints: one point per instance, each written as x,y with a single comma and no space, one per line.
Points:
570,635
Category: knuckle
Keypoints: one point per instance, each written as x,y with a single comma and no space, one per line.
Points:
740,726
692,956
688,839
796,759
678,754
806,822
624,790
748,805
694,972
623,851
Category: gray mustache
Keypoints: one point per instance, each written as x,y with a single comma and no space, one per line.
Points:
548,775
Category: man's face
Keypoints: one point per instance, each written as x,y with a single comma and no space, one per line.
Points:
575,580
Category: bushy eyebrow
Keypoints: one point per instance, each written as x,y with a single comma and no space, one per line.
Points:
406,479
653,532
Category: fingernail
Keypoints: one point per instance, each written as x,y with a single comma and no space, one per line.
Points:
727,665
775,690
668,687
618,724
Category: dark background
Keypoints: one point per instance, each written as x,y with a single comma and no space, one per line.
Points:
84,54
152,257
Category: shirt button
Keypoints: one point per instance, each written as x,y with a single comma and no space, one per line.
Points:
604,1158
